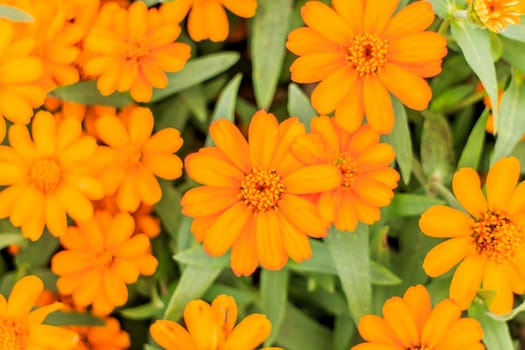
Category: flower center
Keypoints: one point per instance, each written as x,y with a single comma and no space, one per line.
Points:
135,50
421,347
46,174
367,53
13,334
495,15
496,236
103,259
261,190
132,159
347,168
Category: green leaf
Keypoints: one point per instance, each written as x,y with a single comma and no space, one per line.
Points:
515,32
321,260
437,154
197,257
10,235
70,318
15,14
441,7
471,154
142,312
451,97
349,251
401,141
196,71
195,99
86,92
512,123
274,293
192,284
475,44
514,52
37,254
225,107
411,204
299,105
168,208
496,333
268,49
344,330
382,276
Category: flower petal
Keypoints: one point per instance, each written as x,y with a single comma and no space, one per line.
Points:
457,223
467,189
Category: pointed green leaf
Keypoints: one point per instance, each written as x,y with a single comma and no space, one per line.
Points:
382,276
86,92
471,154
70,318
401,141
437,154
514,52
225,107
14,14
197,257
274,295
299,105
515,32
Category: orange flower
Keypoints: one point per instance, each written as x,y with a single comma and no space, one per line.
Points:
252,200
22,328
107,337
19,73
368,181
47,175
487,242
360,54
135,157
101,256
212,327
133,57
200,27
495,15
410,323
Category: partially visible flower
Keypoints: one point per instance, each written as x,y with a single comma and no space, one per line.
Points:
360,53
136,156
131,49
251,199
495,15
47,175
410,323
101,256
200,27
487,241
106,337
368,181
212,327
21,327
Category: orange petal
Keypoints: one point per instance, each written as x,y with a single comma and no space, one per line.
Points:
375,329
208,200
245,9
201,324
446,255
229,139
444,314
226,229
457,223
467,189
268,241
326,21
501,181
315,67
23,296
413,18
467,279
289,130
312,179
140,125
303,41
350,112
262,135
112,131
352,13
171,335
243,255
400,319
44,133
418,301
212,171
416,48
296,244
378,105
225,311
496,279
412,90
331,91
249,333
378,14
463,334
303,215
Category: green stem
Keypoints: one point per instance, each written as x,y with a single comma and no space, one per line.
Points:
444,27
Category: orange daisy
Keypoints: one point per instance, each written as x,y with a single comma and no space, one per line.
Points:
101,256
134,157
251,199
212,327
130,49
21,327
495,15
410,323
360,53
200,27
47,175
368,181
487,241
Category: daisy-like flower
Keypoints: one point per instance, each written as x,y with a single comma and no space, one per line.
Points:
22,328
212,327
19,75
47,175
410,323
200,27
360,53
487,241
135,156
495,15
130,49
101,256
107,337
251,199
368,181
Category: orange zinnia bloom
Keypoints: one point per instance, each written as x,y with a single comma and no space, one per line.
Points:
360,54
207,19
136,156
131,49
487,242
48,176
101,256
22,328
410,323
495,15
19,75
212,327
252,200
368,181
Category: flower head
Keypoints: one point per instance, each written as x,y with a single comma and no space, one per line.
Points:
251,199
199,25
212,327
487,241
22,328
359,53
410,323
130,49
495,15
368,181
47,175
101,256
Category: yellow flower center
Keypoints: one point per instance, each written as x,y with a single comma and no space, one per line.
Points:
13,334
494,14
135,49
261,190
46,174
367,53
347,168
496,236
104,259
